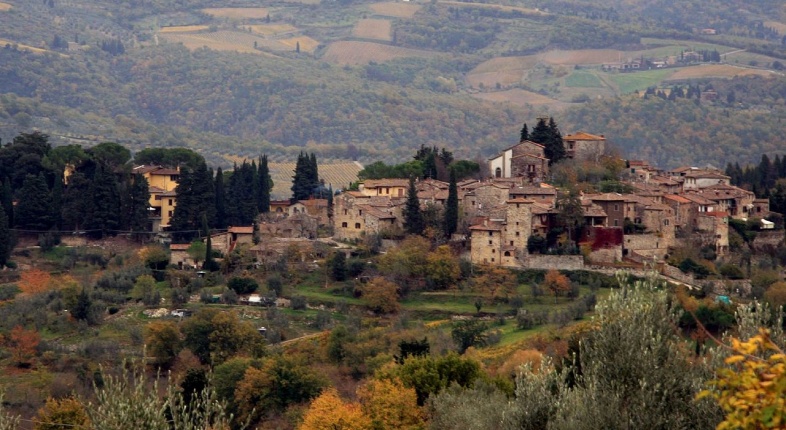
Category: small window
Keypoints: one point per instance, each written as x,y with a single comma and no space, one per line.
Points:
498,172
665,222
490,242
346,212
492,259
507,253
616,223
511,243
491,233
493,251
357,225
517,234
170,202
360,212
616,207
344,225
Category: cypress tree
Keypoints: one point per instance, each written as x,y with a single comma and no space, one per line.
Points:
313,172
555,144
413,217
7,200
303,182
221,200
103,213
330,202
451,207
34,211
524,133
195,199
540,133
57,201
265,185
137,202
6,242
241,196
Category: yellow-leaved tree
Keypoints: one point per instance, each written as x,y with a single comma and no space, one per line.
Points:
752,390
63,413
390,405
329,412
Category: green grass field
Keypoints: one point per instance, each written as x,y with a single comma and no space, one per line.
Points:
630,82
583,80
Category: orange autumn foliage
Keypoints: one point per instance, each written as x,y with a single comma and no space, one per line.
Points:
23,344
34,281
329,412
510,367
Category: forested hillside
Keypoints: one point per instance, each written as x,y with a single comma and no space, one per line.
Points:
374,81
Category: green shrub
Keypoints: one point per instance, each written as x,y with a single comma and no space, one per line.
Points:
243,285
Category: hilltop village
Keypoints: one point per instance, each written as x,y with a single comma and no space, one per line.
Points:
434,269
508,219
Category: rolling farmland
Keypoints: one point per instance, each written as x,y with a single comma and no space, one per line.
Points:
396,10
225,41
354,53
270,29
378,29
519,97
184,28
307,44
238,12
716,71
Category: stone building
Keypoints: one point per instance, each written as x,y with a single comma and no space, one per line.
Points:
584,146
525,160
356,215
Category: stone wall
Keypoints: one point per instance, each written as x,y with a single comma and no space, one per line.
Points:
556,262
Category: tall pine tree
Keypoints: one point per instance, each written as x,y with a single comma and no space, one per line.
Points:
265,185
548,135
524,135
103,214
413,217
136,204
34,211
195,199
6,241
451,207
242,200
221,200
306,177
7,200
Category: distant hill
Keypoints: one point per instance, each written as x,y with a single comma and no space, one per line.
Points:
361,80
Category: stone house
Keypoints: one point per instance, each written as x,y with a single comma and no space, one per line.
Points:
300,225
486,242
481,199
681,208
543,194
584,146
701,178
316,208
614,206
384,187
356,215
728,198
525,160
713,229
178,256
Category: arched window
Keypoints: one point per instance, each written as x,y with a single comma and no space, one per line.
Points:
507,253
498,172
